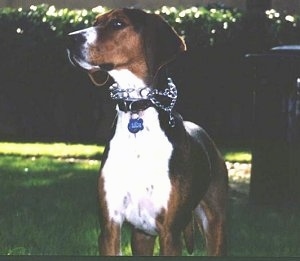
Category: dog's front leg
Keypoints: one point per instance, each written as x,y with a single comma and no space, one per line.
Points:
110,239
170,243
110,230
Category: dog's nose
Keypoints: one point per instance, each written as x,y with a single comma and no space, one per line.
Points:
75,41
76,38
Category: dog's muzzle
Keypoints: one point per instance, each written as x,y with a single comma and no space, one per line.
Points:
77,48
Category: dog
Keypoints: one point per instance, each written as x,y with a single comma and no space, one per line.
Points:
162,175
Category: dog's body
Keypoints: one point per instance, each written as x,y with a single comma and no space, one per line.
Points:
158,173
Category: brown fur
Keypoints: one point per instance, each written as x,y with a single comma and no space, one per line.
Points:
198,174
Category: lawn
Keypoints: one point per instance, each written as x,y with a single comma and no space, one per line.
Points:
48,205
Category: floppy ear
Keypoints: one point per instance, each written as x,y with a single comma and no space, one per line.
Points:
99,78
161,43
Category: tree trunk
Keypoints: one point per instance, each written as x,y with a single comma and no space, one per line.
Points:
269,179
275,175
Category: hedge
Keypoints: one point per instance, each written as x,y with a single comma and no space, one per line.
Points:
200,25
43,97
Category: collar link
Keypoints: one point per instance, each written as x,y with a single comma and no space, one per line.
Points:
146,97
116,93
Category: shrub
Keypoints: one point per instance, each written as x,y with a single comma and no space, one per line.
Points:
43,95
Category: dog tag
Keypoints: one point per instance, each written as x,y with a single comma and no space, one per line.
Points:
135,125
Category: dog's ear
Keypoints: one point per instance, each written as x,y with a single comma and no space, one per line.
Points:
99,78
162,43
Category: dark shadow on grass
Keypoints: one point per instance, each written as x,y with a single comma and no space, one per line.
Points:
56,219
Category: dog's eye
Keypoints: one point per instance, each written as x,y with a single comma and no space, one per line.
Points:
117,24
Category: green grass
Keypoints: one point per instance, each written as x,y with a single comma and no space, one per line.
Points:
48,206
237,154
64,150
51,150
258,231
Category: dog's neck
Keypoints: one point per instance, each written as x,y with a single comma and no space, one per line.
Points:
126,80
133,95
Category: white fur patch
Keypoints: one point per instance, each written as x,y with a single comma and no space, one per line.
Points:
91,36
127,80
201,213
136,172
191,127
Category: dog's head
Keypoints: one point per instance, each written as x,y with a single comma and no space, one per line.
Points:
125,39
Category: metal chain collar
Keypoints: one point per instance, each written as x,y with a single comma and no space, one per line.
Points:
170,92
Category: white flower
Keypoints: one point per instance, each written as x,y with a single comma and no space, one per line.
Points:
290,18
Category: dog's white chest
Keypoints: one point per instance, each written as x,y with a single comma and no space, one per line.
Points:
136,173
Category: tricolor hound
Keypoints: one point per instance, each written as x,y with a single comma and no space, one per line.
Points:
162,175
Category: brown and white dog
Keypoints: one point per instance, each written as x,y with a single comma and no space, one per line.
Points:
159,173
